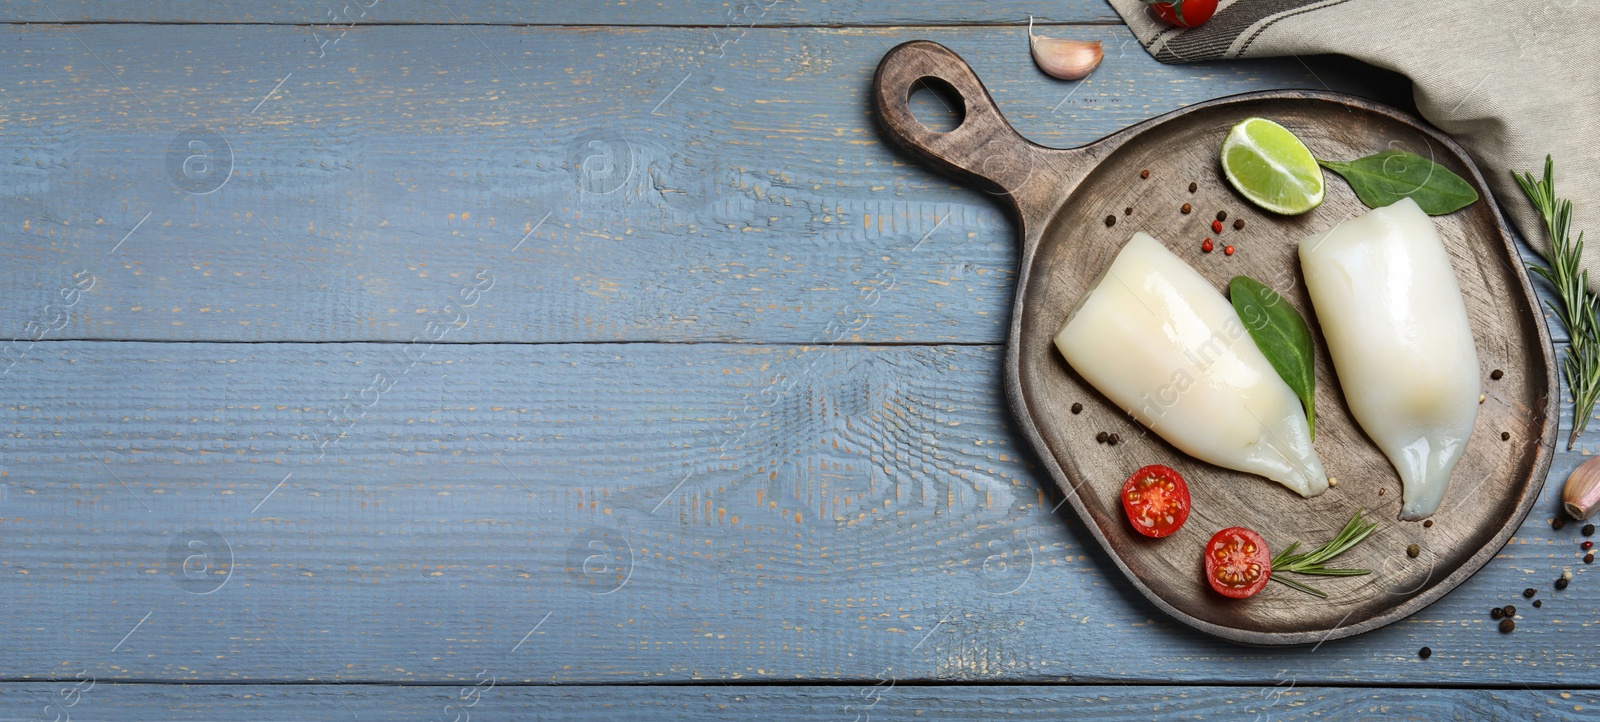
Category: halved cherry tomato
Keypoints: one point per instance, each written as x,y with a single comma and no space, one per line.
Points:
1183,13
1237,562
1156,500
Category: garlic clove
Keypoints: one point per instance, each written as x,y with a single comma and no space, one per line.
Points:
1581,495
1064,59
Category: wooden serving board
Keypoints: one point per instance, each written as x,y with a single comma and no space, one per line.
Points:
1064,196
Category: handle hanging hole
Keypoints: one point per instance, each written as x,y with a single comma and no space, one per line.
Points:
936,104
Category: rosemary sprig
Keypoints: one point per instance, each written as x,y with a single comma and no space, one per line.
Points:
1578,306
1312,562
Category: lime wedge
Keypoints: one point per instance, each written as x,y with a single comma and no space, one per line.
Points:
1271,167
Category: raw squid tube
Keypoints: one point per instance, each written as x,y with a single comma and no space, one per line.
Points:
1161,342
1397,329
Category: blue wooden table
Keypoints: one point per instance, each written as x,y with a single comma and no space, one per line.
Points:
382,359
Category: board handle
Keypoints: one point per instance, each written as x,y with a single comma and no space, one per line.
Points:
984,149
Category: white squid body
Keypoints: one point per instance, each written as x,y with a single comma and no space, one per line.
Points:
1159,341
1397,329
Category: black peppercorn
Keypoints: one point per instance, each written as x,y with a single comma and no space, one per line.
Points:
1588,558
1506,625
1114,440
1425,652
1538,603
1238,225
1561,584
1588,530
1505,436
1101,437
1497,374
1497,613
1127,211
1077,408
1111,220
1557,523
1222,215
1144,174
1510,610
1186,208
1428,524
1529,592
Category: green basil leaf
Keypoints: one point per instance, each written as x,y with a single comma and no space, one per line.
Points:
1281,334
1382,179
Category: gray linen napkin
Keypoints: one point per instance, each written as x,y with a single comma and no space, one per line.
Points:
1510,81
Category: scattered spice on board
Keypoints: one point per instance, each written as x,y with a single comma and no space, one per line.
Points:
1506,625
1127,211
1186,208
1509,610
1101,437
1413,550
1557,523
1222,215
1077,408
1113,439
1561,584
1427,524
1194,187
1497,374
1144,174
1538,603
1529,592
1111,220
1425,652
1497,613
1588,530
1588,558
1505,436
1238,225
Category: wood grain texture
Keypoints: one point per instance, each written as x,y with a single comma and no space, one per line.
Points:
879,513
738,198
733,15
312,703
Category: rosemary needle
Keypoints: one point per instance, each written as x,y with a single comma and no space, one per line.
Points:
1312,562
1578,306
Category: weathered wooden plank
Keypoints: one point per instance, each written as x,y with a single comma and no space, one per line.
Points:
621,184
616,513
121,702
733,15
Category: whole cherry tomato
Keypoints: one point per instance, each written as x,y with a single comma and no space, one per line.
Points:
1237,563
1183,13
1156,500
